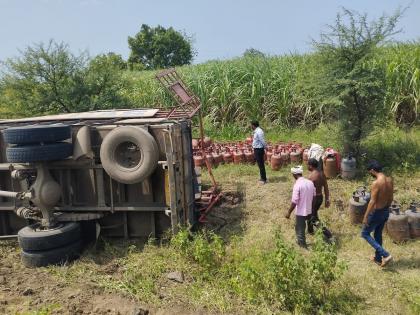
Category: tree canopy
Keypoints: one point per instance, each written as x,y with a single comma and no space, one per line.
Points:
159,47
48,78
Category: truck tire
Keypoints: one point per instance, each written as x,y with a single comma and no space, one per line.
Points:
36,134
54,256
129,154
39,153
30,239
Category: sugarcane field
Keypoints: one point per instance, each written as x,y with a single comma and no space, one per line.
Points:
209,157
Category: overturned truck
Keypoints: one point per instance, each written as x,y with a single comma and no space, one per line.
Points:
128,173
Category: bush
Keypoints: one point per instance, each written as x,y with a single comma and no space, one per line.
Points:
274,278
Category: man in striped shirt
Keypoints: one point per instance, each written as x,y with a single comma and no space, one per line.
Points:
258,144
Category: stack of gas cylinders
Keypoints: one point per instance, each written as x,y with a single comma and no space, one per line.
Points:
241,152
402,226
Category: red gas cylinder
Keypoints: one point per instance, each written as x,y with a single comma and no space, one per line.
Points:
249,156
285,157
207,142
276,161
198,160
210,159
306,156
248,140
227,157
295,155
218,158
238,157
194,143
269,154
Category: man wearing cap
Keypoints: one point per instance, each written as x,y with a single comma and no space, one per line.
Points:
258,144
377,213
302,199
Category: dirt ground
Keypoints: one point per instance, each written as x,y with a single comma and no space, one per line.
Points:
247,210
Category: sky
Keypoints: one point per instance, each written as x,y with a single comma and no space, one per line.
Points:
221,29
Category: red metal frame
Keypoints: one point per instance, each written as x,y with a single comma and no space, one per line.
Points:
188,106
188,103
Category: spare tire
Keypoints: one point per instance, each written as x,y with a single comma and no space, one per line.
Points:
129,154
37,134
31,238
39,153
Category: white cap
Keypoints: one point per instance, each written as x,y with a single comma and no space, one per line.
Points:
297,169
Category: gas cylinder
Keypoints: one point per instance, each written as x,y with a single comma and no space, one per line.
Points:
295,155
238,157
198,160
285,157
248,140
249,156
357,207
348,167
210,158
275,161
269,154
306,156
413,220
330,166
397,225
218,158
227,157
194,143
207,142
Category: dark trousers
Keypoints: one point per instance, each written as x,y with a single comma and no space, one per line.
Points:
314,218
259,157
300,228
376,223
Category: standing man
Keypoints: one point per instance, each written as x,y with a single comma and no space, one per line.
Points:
258,144
377,213
302,199
320,183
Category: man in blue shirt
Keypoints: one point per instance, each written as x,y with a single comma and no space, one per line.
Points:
258,144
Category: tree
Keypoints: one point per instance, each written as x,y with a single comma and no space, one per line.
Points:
252,52
49,78
357,90
112,59
158,47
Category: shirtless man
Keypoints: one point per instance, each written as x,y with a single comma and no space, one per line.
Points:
377,213
320,182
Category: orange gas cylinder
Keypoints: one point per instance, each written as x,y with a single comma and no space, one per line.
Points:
218,158
330,166
238,157
285,157
295,155
249,156
227,157
306,156
198,160
207,142
194,143
248,140
210,159
276,161
269,154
